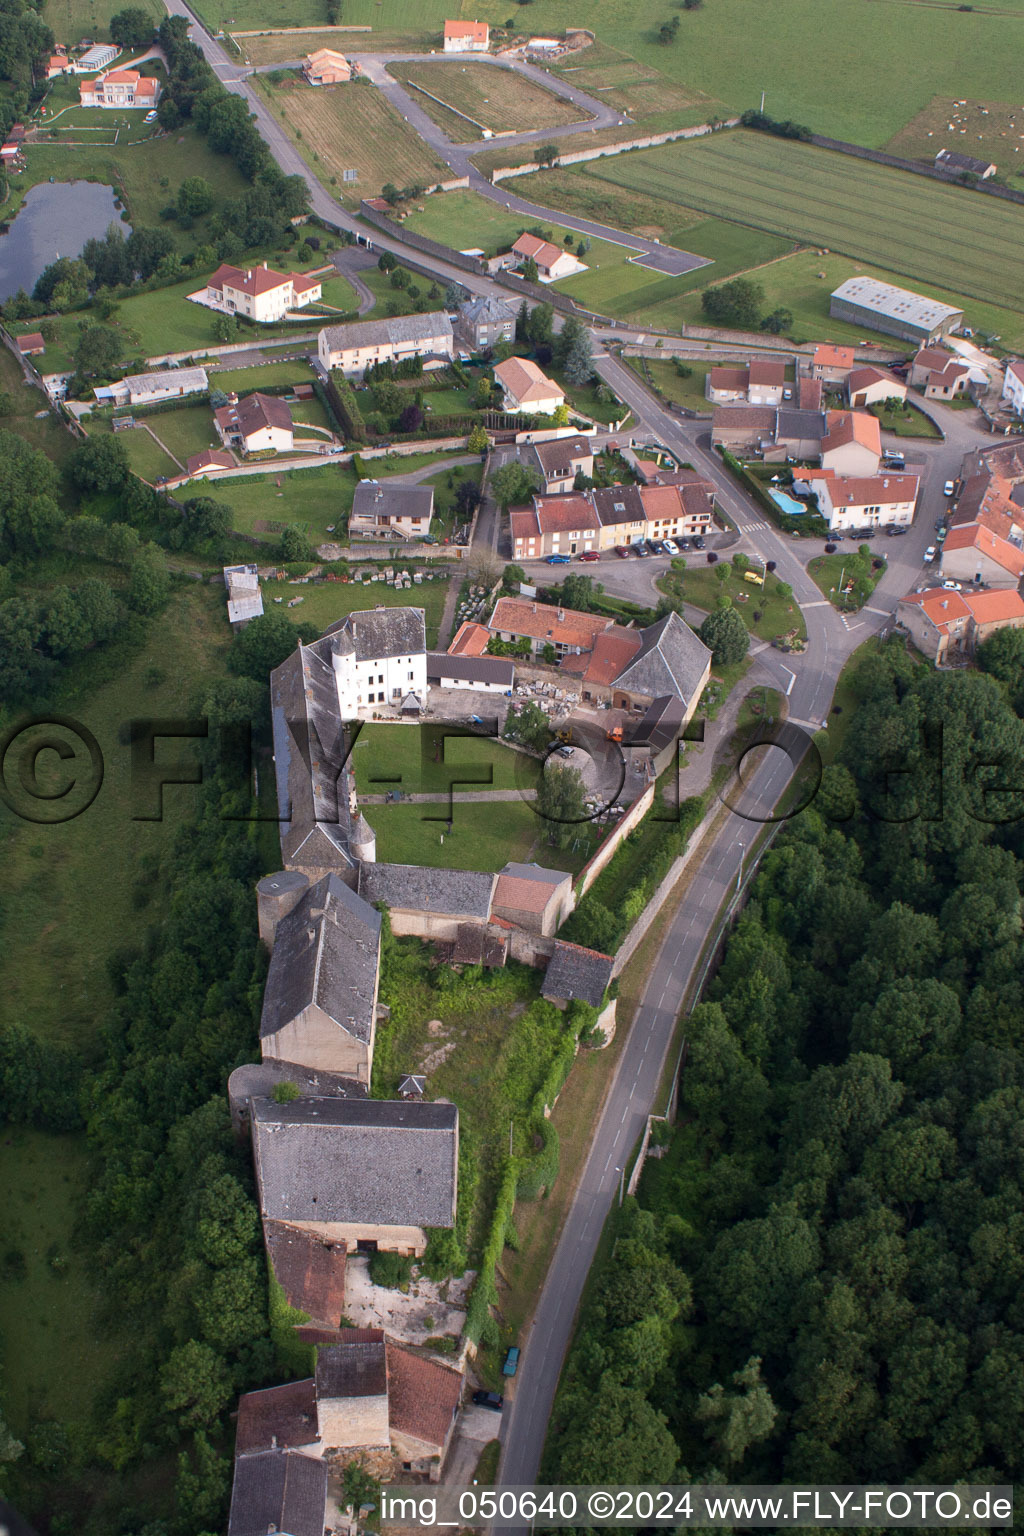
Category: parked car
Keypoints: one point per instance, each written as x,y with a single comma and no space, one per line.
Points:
699,541
952,586
949,488
682,545
511,1362
150,117
653,547
565,751
622,550
666,547
895,532
556,560
930,553
489,1400
641,550
590,554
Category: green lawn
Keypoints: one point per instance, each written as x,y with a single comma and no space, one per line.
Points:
53,973
407,752
186,431
908,421
310,413
323,603
484,836
664,377
943,234
309,499
30,418
848,569
446,483
699,584
262,376
74,19
57,1355
338,293
145,455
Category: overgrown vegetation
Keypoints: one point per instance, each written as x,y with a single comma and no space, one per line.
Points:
835,1219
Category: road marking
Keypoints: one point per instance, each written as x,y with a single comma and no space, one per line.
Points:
821,602
792,677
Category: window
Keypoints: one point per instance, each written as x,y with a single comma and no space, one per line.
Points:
411,676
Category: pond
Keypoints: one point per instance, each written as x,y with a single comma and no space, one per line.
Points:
56,219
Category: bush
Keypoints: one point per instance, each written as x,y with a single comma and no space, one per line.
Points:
390,1270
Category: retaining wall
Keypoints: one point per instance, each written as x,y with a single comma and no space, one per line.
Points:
649,141
632,819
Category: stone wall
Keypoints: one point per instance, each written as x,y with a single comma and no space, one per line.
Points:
632,819
649,141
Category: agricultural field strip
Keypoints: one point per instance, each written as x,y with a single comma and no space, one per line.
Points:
832,204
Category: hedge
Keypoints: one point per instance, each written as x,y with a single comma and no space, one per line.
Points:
807,526
485,1292
346,409
294,1357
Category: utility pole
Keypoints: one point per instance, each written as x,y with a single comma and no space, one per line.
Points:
762,101
739,872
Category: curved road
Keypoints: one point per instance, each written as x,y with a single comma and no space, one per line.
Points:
808,680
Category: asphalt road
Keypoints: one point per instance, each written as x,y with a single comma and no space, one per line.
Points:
808,681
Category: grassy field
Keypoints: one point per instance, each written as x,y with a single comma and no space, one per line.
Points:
407,752
243,380
29,417
498,99
484,836
283,47
446,483
145,175
676,390
352,127
699,584
56,1354
837,574
327,601
56,943
991,130
74,19
145,454
184,432
574,192
941,235
907,421
637,90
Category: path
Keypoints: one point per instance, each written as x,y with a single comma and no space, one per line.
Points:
349,261
456,797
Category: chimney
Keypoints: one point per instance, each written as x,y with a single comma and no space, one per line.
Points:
561,616
264,266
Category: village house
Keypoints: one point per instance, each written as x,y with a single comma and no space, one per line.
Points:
852,444
351,348
671,662
477,674
211,461
378,656
543,624
552,261
680,508
256,424
939,374
577,974
320,999
326,67
120,88
59,64
829,364
561,460
554,525
150,388
988,550
466,37
849,502
942,623
373,1174
873,386
429,903
259,293
384,510
1013,387
525,388
760,382
621,514
483,322
32,345
278,1490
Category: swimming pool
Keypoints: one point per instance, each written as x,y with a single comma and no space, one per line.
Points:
788,504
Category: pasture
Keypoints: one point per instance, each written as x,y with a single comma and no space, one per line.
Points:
638,90
325,602
860,75
286,46
989,130
352,127
929,232
493,98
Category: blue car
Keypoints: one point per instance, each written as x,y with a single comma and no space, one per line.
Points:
511,1362
557,560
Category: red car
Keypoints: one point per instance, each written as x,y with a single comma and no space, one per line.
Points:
622,550
591,554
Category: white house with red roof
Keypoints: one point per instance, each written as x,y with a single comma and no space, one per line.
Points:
1013,388
259,293
941,622
872,386
466,37
551,260
526,388
851,502
852,444
120,88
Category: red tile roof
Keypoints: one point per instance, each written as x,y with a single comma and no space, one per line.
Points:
423,1395
278,1416
544,252
522,895
844,427
520,616
729,378
253,280
524,523
257,411
764,371
613,650
525,382
977,536
563,514
809,395
478,31
828,356
31,343
218,458
471,639
869,490
661,501
939,606
995,607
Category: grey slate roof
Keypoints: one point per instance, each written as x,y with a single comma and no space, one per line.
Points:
400,328
486,309
452,892
470,669
619,504
372,632
371,500
352,1370
798,424
659,724
325,952
535,872
382,1162
953,160
574,972
280,1491
309,754
555,458
671,660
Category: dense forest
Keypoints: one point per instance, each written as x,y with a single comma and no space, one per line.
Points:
822,1279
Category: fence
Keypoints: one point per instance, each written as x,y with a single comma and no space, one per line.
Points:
951,178
649,141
